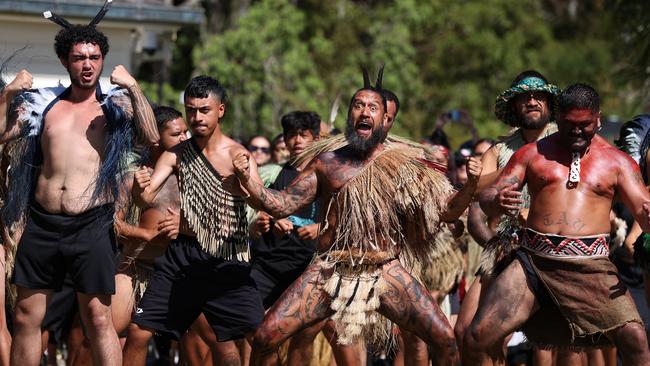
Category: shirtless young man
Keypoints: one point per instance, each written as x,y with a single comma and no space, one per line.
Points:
561,288
204,269
336,177
70,222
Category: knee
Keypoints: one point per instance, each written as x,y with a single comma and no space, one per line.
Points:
476,338
265,339
632,338
100,318
445,343
459,332
25,317
137,335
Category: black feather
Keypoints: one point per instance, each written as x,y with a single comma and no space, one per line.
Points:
98,18
50,15
366,77
380,77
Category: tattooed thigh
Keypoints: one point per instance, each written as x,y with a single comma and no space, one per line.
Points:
409,305
301,305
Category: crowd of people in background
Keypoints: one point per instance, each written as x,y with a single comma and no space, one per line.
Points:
141,235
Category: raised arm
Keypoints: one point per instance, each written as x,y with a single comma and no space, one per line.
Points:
503,196
301,192
459,202
141,107
149,184
632,191
490,170
10,129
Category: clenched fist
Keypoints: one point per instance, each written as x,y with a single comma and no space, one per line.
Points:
122,78
143,177
242,166
22,81
474,168
509,199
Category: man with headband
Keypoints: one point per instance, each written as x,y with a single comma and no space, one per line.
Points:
561,287
72,150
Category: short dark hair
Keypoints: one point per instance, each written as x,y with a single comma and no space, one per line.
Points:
68,37
201,86
391,97
580,96
527,74
165,114
299,120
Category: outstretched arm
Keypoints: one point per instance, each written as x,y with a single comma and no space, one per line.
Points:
300,193
10,129
503,196
459,202
141,107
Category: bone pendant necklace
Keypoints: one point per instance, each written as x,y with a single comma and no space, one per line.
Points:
574,170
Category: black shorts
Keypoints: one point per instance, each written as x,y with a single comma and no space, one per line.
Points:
55,244
60,313
187,281
270,285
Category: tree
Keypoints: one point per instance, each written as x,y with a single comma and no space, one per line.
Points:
265,65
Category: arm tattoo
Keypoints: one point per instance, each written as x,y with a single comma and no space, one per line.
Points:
299,193
144,115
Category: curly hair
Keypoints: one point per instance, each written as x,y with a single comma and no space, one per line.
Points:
68,37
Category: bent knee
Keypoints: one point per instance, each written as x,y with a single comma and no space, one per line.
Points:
459,332
477,338
631,338
265,339
138,335
26,317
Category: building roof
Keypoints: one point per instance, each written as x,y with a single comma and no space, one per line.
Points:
121,11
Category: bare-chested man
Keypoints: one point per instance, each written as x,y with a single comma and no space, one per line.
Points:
561,288
204,270
73,151
527,105
359,242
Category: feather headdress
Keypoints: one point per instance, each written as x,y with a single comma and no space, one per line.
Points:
55,18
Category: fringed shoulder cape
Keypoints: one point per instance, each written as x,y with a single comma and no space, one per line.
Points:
30,108
395,199
217,217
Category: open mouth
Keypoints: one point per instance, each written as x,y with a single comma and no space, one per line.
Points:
87,76
364,127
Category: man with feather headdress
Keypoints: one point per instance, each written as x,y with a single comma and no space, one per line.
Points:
71,153
381,200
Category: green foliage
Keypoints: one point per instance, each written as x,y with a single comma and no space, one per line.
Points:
275,56
266,67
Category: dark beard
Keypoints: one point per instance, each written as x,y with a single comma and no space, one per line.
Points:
362,146
529,124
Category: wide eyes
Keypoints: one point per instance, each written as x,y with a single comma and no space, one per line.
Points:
359,106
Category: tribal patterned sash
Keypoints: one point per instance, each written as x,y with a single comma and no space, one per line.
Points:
217,217
561,246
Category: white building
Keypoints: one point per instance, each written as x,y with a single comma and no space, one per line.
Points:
138,31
